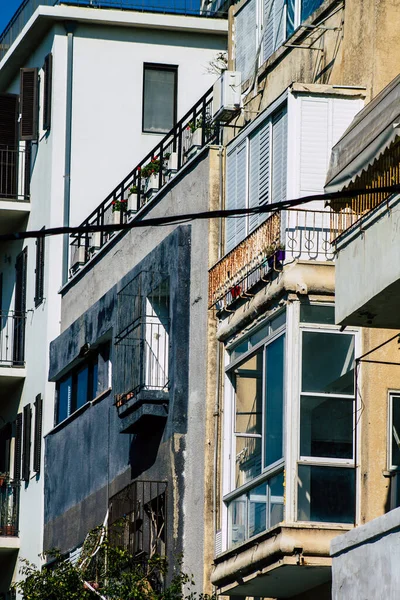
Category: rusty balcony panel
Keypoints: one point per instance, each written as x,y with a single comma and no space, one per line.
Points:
385,171
247,258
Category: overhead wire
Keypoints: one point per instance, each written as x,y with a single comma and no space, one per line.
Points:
204,215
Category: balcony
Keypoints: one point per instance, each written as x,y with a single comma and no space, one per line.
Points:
282,239
14,186
9,511
12,346
142,352
364,230
140,188
289,559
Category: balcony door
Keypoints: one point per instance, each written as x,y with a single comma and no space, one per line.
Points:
20,308
8,146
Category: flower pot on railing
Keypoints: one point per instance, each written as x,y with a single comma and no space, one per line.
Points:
193,142
95,241
78,257
172,162
277,258
132,202
151,185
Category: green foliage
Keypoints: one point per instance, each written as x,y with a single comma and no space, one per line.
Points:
111,571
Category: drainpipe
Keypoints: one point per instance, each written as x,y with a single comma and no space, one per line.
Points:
70,28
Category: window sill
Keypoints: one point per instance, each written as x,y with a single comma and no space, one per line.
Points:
78,412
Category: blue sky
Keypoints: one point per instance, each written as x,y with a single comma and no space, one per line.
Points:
7,9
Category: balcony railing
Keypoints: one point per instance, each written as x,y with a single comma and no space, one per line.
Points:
9,507
138,522
12,339
28,7
194,131
291,235
385,171
15,172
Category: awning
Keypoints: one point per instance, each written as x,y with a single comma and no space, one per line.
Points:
372,131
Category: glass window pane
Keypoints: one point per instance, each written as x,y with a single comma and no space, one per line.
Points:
313,313
326,427
248,387
237,519
258,510
274,401
328,363
64,399
278,321
158,100
290,19
276,493
82,387
259,335
395,431
96,387
325,494
308,7
248,459
240,349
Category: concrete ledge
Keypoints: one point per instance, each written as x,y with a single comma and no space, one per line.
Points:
377,528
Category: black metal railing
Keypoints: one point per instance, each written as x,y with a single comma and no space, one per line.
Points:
9,506
15,172
12,339
194,131
138,520
28,7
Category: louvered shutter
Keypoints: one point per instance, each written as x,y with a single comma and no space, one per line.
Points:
274,26
313,145
37,445
279,156
5,439
39,271
29,104
18,447
259,172
245,39
48,76
8,145
344,111
26,443
236,194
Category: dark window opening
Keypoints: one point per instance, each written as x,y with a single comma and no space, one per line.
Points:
160,84
39,271
48,75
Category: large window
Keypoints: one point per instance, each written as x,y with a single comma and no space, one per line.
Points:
84,383
256,174
326,452
160,83
256,374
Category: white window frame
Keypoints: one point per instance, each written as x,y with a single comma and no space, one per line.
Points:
391,394
316,461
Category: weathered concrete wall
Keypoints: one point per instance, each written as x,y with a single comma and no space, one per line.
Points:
178,454
366,561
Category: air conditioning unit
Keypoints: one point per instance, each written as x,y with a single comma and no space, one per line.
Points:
226,95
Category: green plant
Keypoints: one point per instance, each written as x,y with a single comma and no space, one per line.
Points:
118,205
272,248
106,570
152,167
133,190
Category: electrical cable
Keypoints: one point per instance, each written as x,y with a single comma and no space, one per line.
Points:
212,214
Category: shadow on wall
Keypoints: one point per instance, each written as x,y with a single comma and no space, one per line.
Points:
144,448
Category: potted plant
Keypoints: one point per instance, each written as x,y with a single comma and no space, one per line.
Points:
193,137
132,199
150,175
275,254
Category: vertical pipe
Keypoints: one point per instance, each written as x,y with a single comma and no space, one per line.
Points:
69,28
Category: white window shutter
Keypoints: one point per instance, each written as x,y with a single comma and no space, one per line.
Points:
274,26
313,144
279,156
344,111
259,173
245,39
236,185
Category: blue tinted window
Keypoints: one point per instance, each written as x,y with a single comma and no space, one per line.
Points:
308,7
64,399
290,19
82,387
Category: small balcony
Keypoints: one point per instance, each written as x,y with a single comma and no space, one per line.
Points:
9,511
14,186
12,345
142,352
285,237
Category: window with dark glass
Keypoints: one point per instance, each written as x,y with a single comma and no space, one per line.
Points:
326,492
39,271
160,83
83,384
